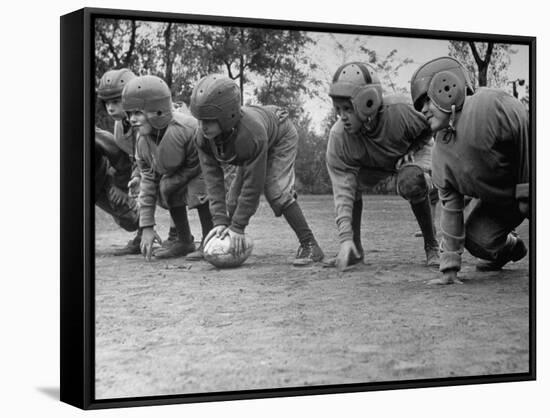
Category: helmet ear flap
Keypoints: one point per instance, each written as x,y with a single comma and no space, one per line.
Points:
447,89
367,102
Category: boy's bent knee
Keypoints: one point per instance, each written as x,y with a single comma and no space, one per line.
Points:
412,184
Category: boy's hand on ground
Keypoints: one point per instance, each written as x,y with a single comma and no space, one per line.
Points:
448,277
347,250
148,238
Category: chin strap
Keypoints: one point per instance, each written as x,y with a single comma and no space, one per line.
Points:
450,130
452,118
367,124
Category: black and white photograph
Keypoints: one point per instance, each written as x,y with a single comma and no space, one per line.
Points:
284,208
279,208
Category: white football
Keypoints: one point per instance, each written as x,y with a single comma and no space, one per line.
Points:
216,252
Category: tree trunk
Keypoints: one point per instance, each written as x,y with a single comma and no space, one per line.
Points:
482,75
168,54
482,63
129,56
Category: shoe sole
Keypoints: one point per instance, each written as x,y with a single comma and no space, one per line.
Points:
305,262
489,267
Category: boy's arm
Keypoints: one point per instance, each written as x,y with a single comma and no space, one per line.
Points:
452,229
522,151
106,141
148,190
343,177
253,181
215,186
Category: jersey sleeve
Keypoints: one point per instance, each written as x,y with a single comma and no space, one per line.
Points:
343,176
214,180
149,185
452,229
253,174
520,132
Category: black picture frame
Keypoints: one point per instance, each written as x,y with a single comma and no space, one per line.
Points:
77,340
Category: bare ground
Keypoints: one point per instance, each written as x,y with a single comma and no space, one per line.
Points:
175,327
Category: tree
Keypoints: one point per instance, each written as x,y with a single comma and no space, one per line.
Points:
311,170
115,43
272,59
387,67
485,61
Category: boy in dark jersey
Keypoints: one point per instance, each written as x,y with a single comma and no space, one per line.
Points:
262,142
110,195
376,139
481,150
168,164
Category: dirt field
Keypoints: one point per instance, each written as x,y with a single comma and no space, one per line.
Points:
172,327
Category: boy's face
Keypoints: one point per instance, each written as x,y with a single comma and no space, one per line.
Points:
210,128
114,108
344,110
139,121
436,118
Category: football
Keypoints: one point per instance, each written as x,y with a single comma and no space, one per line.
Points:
216,252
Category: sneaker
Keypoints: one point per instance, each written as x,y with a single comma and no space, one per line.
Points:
172,238
176,249
518,251
196,255
307,254
432,257
131,248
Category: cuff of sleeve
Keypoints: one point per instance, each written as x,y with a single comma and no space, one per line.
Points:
221,220
522,191
345,232
145,219
450,261
236,228
345,236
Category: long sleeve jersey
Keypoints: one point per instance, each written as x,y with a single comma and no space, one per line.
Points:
247,146
487,158
400,129
170,153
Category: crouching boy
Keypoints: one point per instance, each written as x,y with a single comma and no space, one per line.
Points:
169,166
481,150
377,139
262,142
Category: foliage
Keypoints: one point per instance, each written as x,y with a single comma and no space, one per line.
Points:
387,67
486,62
311,170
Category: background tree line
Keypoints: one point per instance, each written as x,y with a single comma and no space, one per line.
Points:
271,66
